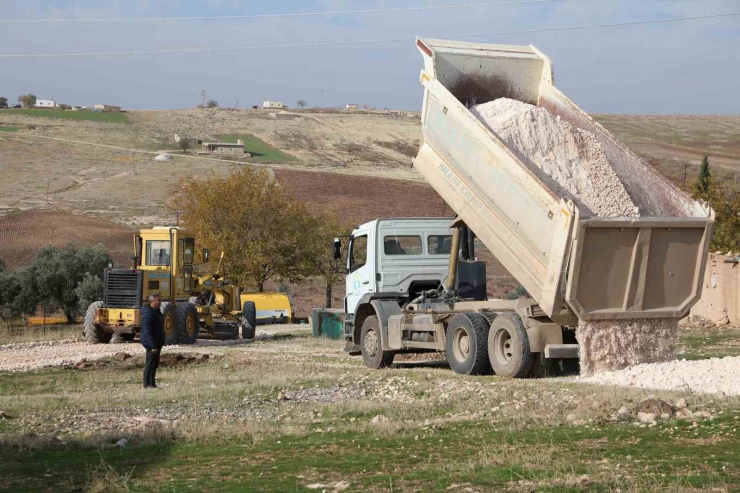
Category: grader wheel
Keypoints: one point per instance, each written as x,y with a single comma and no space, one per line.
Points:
93,332
188,323
170,323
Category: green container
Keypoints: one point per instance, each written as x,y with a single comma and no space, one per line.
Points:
327,322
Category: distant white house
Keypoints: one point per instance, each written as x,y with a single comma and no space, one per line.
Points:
272,104
351,107
45,103
107,108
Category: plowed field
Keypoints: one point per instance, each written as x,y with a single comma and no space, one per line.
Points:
22,234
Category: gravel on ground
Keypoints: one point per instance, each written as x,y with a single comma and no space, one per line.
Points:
710,376
35,355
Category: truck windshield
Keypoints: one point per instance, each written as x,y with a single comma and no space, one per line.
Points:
402,245
158,253
439,244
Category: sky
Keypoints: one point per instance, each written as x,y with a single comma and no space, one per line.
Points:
677,68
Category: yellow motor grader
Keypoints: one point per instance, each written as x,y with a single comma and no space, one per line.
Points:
192,306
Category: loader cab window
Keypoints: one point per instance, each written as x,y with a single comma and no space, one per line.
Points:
402,245
439,244
158,253
357,253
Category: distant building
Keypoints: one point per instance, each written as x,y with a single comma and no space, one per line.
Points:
107,108
272,104
224,147
45,103
193,141
351,107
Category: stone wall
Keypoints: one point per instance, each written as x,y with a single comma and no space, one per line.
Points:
719,299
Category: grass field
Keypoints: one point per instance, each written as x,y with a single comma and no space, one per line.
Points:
71,115
223,426
5,128
259,150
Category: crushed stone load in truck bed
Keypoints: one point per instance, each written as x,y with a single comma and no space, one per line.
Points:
570,156
577,163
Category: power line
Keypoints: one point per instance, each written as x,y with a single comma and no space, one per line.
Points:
272,16
361,42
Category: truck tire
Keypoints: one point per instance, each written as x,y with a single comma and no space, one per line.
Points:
508,347
188,323
249,320
170,323
94,334
467,344
372,352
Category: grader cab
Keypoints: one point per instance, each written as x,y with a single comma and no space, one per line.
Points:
192,306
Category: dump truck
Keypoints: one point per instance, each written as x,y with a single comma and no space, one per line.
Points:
573,266
193,306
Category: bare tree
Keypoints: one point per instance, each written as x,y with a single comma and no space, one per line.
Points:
302,103
184,144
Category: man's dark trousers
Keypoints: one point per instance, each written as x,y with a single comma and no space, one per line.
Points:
151,365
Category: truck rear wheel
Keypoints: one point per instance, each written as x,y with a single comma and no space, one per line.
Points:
467,344
170,323
372,352
508,346
94,334
249,320
188,323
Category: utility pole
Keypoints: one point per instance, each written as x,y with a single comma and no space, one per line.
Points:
237,103
203,98
322,98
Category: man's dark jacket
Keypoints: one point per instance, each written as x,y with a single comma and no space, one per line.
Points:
152,328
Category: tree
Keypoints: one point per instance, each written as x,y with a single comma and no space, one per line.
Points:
726,203
184,144
316,248
27,99
258,227
88,291
212,104
18,293
302,103
3,102
58,274
701,186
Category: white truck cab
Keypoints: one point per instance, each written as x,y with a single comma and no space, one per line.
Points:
396,258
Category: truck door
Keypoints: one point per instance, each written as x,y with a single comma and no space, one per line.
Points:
360,269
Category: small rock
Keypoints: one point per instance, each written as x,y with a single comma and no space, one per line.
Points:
680,404
623,411
655,406
379,419
122,443
583,480
645,417
721,395
281,396
316,486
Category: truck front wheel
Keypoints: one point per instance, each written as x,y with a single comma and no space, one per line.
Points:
372,352
93,332
467,344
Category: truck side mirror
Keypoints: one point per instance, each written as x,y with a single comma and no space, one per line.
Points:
206,255
337,249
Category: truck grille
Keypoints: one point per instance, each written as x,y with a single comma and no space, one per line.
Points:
123,288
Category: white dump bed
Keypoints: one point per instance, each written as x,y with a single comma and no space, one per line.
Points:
595,268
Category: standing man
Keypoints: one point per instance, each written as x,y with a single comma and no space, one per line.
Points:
152,337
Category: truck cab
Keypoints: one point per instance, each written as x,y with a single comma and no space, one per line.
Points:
396,258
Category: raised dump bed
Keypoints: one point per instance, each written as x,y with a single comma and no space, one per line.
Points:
590,268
